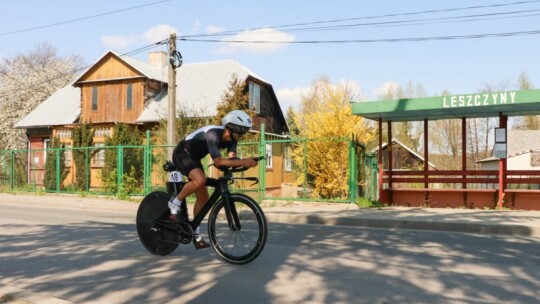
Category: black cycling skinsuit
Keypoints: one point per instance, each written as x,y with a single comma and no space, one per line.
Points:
206,140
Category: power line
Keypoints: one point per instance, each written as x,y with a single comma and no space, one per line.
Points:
81,69
453,19
234,32
83,18
412,13
410,39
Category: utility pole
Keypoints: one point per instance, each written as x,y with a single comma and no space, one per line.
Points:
171,119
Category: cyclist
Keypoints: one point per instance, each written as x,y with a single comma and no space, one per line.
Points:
208,140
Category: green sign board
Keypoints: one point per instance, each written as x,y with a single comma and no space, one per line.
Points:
510,103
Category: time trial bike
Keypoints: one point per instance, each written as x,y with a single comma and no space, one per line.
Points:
237,227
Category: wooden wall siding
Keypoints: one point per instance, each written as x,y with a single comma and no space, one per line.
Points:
269,113
112,102
110,68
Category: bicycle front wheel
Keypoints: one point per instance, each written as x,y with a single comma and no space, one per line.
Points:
242,245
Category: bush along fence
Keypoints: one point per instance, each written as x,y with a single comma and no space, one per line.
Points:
322,169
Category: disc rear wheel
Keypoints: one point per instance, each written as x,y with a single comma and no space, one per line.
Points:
156,232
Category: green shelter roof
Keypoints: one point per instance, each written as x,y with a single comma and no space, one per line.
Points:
509,103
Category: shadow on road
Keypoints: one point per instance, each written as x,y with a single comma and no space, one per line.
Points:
105,263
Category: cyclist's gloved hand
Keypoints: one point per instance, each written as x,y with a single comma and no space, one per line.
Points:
249,162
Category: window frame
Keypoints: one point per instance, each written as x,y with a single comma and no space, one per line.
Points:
129,96
287,164
68,154
46,144
94,98
269,158
98,160
254,97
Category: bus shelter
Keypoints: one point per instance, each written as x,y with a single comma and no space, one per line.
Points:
499,105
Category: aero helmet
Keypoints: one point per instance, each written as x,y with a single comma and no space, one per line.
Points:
237,121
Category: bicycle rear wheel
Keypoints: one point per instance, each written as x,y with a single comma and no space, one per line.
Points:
156,238
245,244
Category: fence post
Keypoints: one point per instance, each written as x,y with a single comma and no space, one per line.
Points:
147,164
353,179
58,169
12,173
88,174
262,166
305,168
119,169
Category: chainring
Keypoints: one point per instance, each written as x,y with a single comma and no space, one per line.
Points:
185,233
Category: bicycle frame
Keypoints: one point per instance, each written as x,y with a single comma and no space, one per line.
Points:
221,189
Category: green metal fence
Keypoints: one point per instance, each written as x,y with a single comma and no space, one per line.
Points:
324,169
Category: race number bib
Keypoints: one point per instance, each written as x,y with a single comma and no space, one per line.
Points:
175,176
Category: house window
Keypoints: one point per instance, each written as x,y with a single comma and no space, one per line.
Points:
129,97
94,98
46,144
288,160
99,158
268,156
67,155
255,97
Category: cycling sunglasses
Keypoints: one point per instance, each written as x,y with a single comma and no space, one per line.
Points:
238,129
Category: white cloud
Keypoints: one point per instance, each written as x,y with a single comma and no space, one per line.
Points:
213,29
120,42
291,97
159,32
152,35
196,25
269,36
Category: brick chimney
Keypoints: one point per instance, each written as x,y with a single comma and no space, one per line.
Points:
158,59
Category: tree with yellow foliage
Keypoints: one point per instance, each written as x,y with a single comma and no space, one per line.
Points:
326,113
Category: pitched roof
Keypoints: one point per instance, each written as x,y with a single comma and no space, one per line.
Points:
199,86
61,108
142,67
418,156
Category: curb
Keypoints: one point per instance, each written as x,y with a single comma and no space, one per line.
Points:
463,227
10,294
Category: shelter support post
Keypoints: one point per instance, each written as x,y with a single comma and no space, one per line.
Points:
464,149
390,162
426,153
464,156
503,122
382,197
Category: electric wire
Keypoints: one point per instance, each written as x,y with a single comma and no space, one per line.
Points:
76,72
82,18
191,38
409,39
234,32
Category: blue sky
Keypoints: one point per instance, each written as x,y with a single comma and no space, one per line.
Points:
460,66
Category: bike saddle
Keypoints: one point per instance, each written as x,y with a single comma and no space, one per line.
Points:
169,166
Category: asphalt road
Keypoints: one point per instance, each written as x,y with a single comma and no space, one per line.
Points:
87,256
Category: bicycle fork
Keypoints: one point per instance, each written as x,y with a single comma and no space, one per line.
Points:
230,211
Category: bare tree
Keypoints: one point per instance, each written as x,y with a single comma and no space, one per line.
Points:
529,122
407,132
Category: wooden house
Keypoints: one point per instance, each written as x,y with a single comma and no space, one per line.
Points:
121,89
